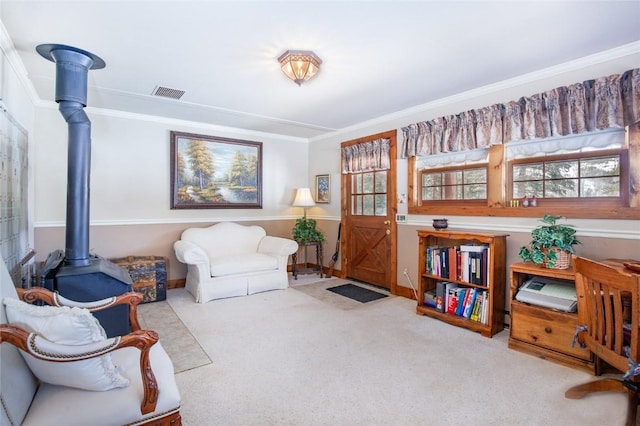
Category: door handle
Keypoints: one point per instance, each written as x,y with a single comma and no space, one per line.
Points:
387,222
388,231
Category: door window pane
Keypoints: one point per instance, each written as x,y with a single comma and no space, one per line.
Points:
381,182
369,193
367,205
367,183
381,205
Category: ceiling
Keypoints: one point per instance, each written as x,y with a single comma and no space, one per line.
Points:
379,57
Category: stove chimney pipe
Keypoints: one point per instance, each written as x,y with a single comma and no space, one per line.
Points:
72,66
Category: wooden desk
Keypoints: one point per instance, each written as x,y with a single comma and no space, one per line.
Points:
544,332
294,259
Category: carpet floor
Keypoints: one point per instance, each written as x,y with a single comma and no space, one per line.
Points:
289,357
320,291
177,341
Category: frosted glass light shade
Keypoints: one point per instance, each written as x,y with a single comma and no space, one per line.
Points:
303,198
299,65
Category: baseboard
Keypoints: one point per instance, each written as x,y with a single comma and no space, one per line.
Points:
179,283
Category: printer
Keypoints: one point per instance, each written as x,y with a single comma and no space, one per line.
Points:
549,293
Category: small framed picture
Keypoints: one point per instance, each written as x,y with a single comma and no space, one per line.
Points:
323,188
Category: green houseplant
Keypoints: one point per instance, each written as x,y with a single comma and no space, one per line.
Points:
551,244
305,231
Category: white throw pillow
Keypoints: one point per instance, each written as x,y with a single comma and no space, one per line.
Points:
66,326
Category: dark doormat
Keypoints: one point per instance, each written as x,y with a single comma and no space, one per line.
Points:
357,293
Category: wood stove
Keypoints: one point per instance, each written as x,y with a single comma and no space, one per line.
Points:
75,273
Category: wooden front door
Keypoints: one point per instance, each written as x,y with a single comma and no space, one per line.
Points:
368,216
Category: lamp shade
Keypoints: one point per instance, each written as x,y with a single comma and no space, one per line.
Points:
303,198
299,65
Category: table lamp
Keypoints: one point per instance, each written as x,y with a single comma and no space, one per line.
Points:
303,199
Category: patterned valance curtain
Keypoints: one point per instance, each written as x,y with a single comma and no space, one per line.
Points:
366,156
603,103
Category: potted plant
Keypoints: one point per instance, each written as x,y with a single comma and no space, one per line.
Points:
551,244
305,231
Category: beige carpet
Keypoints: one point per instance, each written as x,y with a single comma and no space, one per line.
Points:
181,346
289,358
318,289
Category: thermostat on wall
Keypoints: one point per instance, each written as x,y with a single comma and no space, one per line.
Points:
401,218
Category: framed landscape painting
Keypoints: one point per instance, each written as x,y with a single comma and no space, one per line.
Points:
209,172
323,188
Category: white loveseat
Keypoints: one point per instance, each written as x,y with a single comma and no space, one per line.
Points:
228,259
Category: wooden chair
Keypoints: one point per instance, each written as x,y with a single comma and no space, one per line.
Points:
608,321
158,402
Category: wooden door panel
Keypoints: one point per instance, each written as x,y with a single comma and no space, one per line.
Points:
369,254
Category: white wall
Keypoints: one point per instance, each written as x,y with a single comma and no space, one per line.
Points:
18,102
130,170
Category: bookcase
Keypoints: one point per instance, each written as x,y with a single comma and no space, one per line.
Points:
472,262
544,332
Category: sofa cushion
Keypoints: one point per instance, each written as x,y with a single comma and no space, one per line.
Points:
225,238
242,263
66,326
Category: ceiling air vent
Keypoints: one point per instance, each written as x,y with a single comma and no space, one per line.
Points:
167,92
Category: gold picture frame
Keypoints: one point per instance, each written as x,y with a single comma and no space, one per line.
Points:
323,188
228,172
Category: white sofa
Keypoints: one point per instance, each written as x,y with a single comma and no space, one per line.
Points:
151,397
228,259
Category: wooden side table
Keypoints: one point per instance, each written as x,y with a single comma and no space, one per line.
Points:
294,259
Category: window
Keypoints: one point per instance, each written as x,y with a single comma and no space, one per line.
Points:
570,176
369,193
588,176
458,183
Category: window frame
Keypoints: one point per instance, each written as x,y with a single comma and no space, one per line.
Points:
470,166
613,202
499,190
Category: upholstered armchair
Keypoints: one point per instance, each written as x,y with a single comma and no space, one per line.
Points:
58,367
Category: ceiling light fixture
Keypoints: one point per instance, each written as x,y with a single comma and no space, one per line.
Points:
299,65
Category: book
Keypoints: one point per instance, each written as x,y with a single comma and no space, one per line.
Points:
440,296
464,265
447,287
469,302
452,256
484,312
476,248
475,311
430,298
462,295
452,300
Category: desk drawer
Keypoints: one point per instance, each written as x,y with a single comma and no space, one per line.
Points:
546,328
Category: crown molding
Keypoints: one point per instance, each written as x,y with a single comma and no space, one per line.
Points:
591,60
174,122
14,61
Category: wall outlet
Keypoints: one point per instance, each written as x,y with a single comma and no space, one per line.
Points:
401,218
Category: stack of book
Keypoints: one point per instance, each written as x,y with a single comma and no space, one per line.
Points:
468,263
467,302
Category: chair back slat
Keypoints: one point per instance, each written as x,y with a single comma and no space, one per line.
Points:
608,299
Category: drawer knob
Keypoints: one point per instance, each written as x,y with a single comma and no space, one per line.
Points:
547,330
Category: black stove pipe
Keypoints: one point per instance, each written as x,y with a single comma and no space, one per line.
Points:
72,66
79,275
